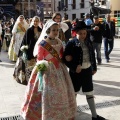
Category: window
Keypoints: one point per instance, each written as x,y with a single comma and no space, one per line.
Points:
44,12
116,13
73,16
66,3
59,6
82,15
74,4
82,4
103,2
49,5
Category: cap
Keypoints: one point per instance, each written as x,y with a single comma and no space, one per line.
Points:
86,14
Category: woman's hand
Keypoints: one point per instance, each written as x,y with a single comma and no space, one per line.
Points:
78,69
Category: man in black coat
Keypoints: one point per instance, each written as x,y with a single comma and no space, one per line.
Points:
108,36
96,37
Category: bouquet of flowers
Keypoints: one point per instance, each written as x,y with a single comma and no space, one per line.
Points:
41,67
24,48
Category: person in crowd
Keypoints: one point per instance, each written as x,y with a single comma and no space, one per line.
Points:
79,56
6,32
73,32
28,21
18,32
0,40
96,37
63,27
68,32
3,30
12,21
7,37
87,20
49,94
108,36
24,68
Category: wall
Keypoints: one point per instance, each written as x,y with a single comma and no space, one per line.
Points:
76,11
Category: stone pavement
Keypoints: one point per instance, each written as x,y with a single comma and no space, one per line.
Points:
106,89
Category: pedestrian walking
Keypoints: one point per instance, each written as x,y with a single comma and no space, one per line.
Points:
96,34
108,36
18,32
49,94
25,64
79,56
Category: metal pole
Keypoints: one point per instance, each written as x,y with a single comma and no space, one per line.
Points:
29,12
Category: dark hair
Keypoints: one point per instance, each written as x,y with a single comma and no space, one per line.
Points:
56,14
80,29
48,31
76,20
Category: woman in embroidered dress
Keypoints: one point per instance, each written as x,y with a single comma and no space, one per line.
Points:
49,95
18,32
29,40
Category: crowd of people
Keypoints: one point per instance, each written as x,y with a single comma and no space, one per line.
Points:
42,52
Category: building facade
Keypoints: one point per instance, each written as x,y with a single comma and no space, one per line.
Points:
115,7
48,8
77,8
26,8
30,8
73,8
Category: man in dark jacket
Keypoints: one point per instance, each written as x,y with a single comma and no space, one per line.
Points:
96,37
80,58
109,33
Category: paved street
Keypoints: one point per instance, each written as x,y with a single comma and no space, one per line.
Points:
106,89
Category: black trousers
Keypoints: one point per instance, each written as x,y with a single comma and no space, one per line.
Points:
82,79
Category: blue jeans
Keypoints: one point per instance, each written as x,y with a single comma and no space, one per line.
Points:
108,46
97,47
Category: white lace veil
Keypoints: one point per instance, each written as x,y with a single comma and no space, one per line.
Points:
14,30
48,24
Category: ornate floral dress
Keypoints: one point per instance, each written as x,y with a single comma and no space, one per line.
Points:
56,101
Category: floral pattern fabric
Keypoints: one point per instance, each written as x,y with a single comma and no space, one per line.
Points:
57,99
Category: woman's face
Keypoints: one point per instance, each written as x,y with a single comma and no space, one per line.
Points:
54,29
57,18
81,34
21,19
36,22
